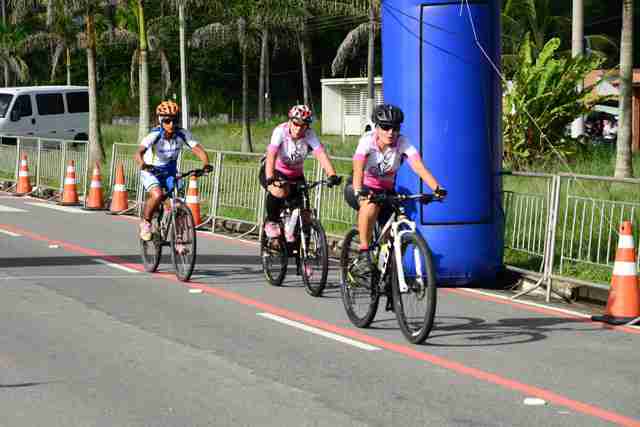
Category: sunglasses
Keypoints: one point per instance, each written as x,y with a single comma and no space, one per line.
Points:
168,121
300,123
389,127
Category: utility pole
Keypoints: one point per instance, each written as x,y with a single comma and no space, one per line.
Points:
183,67
371,96
577,48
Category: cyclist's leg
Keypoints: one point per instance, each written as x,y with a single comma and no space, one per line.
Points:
273,204
367,217
152,186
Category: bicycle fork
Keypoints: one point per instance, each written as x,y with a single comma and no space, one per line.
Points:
397,247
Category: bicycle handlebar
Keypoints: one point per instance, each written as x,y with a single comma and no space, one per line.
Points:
424,198
280,182
179,175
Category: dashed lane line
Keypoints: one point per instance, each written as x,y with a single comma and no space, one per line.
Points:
10,209
10,233
117,266
61,208
320,332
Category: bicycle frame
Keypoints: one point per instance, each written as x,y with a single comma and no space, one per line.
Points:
304,209
175,200
398,225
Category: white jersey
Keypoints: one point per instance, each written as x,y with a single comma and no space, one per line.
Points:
290,153
380,167
161,151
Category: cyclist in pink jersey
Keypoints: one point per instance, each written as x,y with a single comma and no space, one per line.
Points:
375,164
291,143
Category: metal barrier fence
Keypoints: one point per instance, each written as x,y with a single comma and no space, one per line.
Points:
557,227
47,161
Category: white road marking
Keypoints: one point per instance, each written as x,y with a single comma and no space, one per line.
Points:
93,276
9,233
114,265
534,401
61,208
533,304
10,209
321,332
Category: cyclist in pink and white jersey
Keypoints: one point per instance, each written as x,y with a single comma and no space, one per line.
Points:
375,164
291,143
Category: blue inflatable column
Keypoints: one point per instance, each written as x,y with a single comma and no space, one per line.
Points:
435,69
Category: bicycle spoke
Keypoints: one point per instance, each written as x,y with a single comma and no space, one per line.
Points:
183,243
273,253
315,261
359,295
415,299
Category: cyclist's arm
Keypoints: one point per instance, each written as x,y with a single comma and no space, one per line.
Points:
138,156
359,162
325,162
416,163
272,152
421,170
201,154
358,173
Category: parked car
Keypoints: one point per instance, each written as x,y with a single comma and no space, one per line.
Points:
55,112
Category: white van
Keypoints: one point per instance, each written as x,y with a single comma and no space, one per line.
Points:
56,112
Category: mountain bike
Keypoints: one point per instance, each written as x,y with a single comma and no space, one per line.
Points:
402,271
172,225
307,241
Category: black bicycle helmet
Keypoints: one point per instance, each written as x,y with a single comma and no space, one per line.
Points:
387,114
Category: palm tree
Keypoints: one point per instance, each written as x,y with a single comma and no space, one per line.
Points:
89,9
211,5
249,18
61,37
624,166
10,54
3,5
220,34
133,30
577,48
350,47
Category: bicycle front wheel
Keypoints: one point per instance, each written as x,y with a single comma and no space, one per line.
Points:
275,259
183,243
415,300
360,295
151,250
315,259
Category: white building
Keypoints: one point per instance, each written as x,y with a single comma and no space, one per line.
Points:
344,105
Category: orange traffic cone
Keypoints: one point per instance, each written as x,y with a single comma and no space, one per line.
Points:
119,195
95,200
70,192
24,185
623,304
192,200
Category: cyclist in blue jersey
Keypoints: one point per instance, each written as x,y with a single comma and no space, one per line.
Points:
157,157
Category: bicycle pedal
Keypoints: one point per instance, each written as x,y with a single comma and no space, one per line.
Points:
389,305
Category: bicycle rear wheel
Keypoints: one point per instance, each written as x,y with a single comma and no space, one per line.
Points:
183,243
274,256
151,250
315,260
415,307
360,296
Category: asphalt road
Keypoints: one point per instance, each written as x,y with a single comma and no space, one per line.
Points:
90,340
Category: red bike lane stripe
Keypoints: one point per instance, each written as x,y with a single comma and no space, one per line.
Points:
405,350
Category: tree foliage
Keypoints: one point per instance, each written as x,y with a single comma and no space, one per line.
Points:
542,101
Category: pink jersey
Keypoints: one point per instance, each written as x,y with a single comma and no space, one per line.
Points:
290,154
380,168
